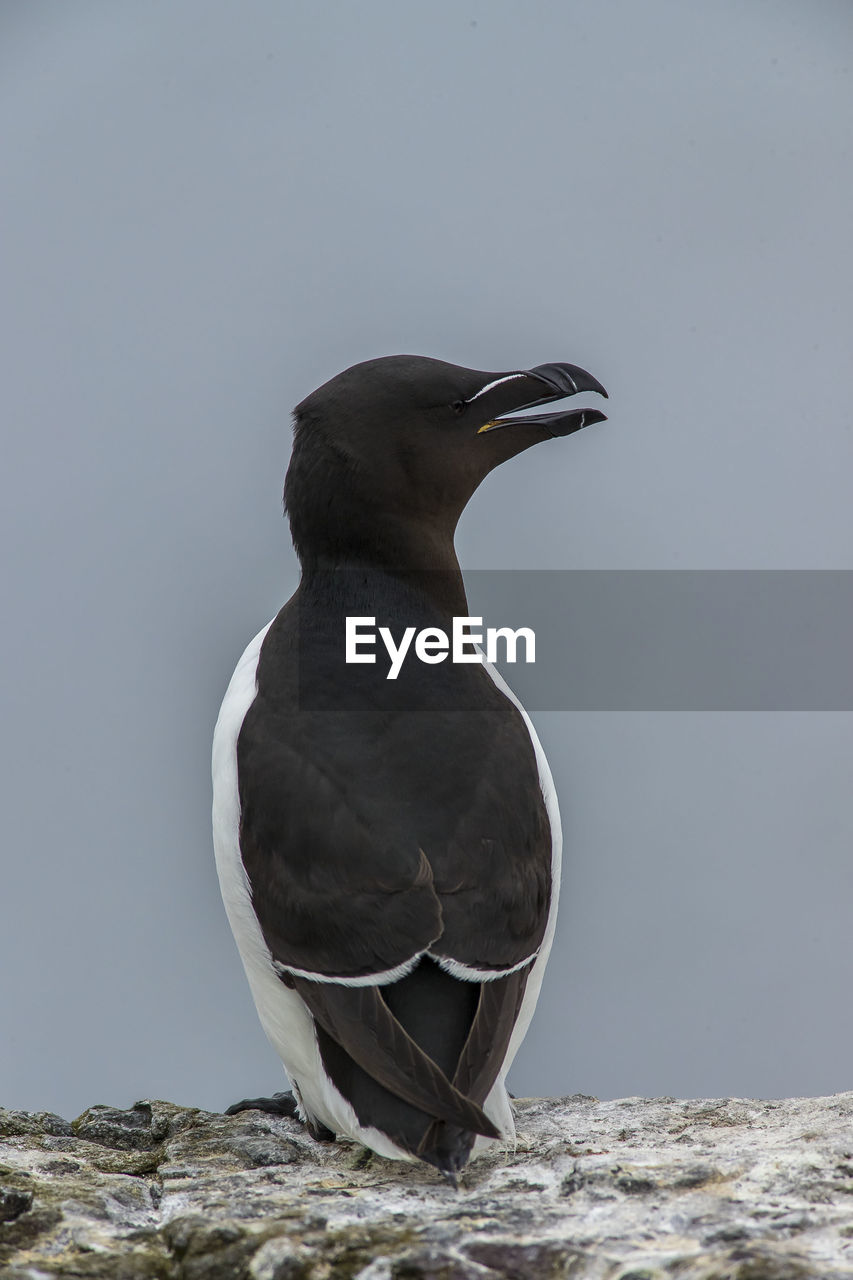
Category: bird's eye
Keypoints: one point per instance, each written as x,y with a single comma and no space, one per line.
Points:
459,406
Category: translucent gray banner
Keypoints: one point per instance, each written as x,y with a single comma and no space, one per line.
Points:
693,640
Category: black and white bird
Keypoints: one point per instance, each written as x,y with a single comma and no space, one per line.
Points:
389,850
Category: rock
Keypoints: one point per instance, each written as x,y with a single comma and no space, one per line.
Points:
133,1130
636,1189
13,1203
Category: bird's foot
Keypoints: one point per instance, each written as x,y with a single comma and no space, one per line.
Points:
282,1104
319,1131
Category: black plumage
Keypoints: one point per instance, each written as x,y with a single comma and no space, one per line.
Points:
394,835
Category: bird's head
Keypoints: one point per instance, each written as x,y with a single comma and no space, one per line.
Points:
402,442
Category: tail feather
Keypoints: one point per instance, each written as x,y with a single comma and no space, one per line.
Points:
418,1058
362,1023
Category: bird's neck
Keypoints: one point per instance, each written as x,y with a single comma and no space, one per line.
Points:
339,524
420,558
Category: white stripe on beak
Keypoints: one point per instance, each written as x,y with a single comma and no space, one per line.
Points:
497,382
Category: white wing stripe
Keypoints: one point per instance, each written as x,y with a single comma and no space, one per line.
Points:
366,980
464,972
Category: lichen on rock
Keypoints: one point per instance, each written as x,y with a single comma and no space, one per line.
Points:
635,1189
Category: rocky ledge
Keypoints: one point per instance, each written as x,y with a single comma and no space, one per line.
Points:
631,1190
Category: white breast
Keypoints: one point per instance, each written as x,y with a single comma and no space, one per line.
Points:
288,1025
549,794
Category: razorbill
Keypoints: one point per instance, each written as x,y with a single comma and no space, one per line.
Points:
389,850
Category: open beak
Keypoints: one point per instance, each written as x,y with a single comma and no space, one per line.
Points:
555,382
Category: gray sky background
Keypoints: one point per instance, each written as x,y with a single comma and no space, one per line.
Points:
208,209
